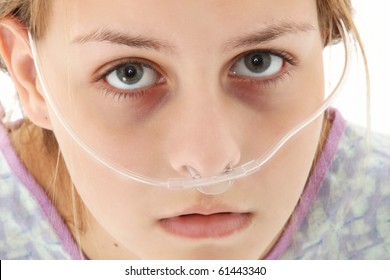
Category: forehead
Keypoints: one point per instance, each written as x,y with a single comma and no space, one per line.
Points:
174,18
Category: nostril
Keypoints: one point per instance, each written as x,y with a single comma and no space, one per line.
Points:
194,174
229,168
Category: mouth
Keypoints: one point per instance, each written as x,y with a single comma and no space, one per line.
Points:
215,225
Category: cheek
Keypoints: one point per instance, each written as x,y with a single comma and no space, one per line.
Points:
118,204
122,210
286,173
300,156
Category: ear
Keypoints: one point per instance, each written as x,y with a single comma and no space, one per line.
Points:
17,56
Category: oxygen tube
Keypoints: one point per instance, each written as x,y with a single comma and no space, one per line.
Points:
208,185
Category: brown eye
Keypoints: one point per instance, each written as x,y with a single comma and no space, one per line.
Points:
259,64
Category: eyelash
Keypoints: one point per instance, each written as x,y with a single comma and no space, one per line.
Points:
266,83
123,95
139,93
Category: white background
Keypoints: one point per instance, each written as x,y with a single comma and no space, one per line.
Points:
372,19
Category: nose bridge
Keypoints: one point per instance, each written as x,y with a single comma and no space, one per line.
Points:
201,136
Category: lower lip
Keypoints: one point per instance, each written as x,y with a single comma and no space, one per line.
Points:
206,226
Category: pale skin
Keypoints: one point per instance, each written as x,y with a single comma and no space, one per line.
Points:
196,49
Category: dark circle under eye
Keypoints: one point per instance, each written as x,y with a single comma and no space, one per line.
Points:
130,73
258,62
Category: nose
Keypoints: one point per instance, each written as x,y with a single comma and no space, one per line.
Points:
202,141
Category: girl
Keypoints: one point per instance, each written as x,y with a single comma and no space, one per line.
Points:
122,96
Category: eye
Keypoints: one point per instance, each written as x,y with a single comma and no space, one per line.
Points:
259,64
132,76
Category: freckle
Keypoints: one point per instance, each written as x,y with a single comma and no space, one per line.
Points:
116,245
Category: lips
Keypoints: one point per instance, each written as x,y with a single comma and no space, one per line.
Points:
215,225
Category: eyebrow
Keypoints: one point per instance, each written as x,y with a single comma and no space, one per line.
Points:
269,33
120,38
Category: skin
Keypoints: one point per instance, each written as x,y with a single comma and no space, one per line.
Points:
202,117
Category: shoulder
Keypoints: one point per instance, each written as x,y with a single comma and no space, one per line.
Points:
26,231
362,164
357,193
372,150
350,217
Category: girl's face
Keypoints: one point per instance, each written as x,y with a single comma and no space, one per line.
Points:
157,86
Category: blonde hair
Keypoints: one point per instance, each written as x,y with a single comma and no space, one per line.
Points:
33,14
